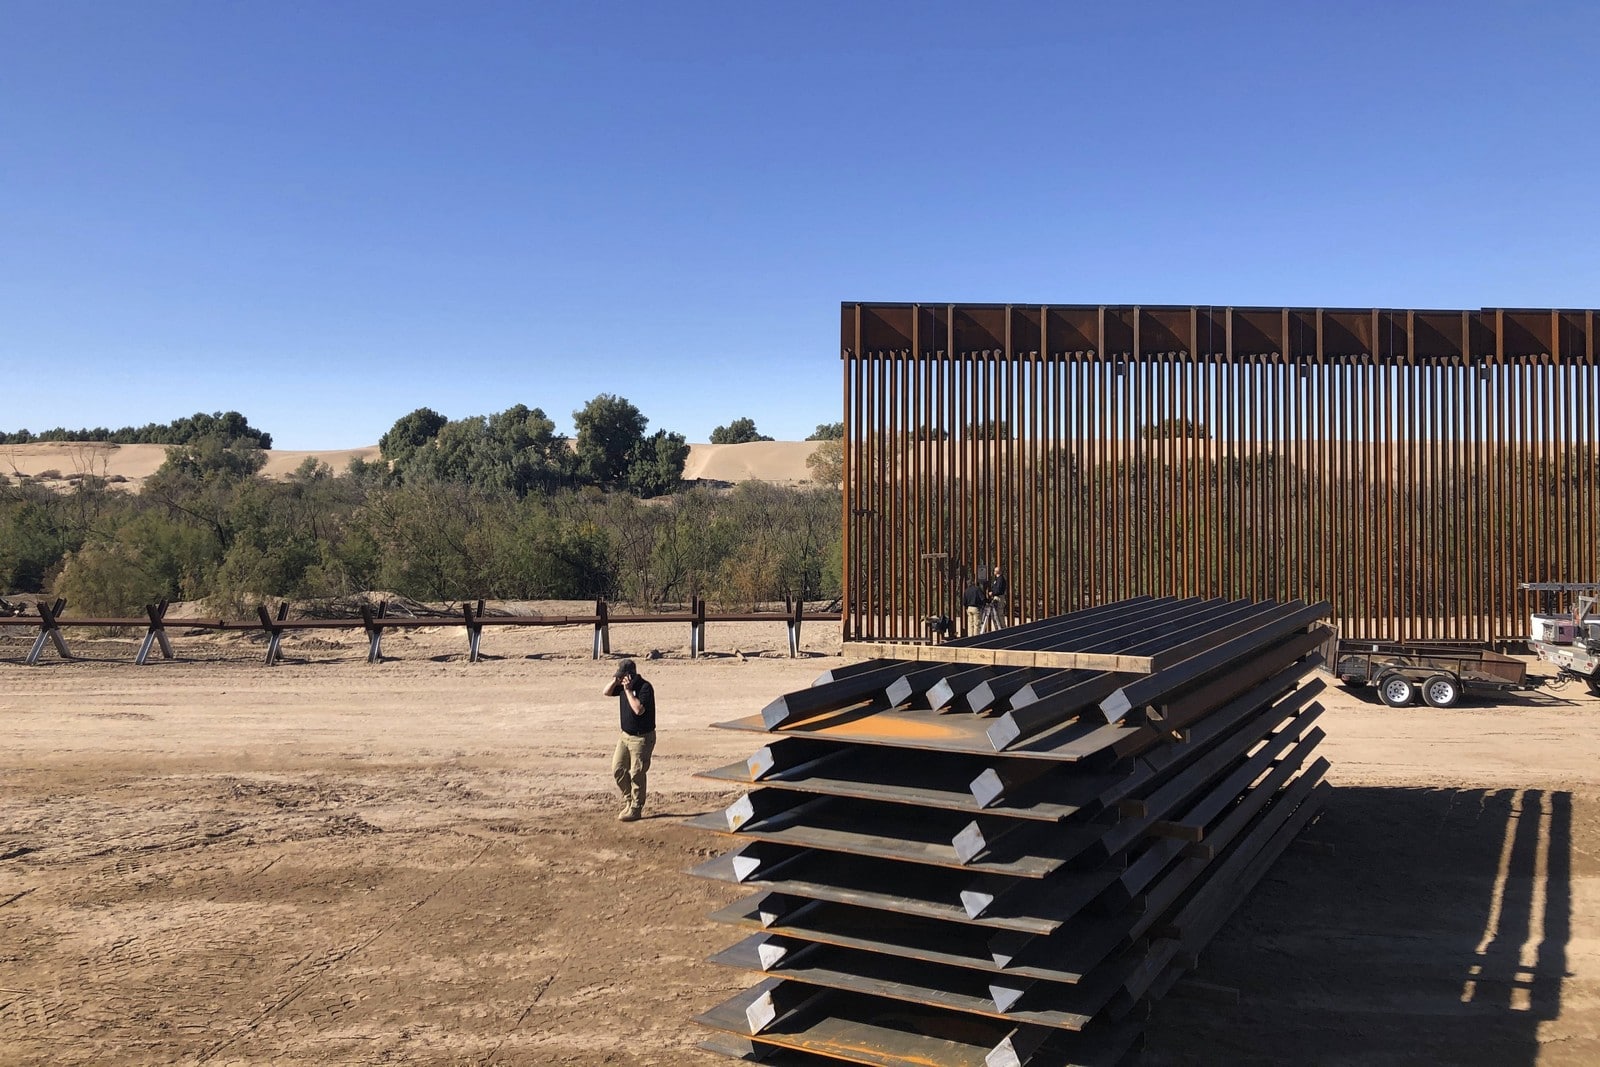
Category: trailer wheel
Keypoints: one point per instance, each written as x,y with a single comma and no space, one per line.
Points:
1441,691
1396,690
1594,685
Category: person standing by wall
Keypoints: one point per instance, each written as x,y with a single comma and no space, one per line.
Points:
976,595
995,613
630,765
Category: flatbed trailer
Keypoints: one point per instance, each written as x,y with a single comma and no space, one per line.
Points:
1440,675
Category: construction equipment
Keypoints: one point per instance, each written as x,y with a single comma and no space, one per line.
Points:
1570,641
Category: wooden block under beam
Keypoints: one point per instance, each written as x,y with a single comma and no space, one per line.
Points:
1000,657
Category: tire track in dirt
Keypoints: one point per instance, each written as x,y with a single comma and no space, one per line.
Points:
320,970
538,994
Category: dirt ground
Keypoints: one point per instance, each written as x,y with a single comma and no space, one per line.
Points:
210,861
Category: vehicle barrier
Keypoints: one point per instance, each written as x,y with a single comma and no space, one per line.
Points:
51,624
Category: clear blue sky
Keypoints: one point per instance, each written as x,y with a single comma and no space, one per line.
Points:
326,214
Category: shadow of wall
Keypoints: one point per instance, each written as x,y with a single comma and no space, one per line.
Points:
1435,931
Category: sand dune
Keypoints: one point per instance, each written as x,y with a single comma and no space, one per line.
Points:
780,462
783,462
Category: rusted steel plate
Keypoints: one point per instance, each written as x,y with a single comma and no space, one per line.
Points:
1066,956
951,782
900,832
972,991
856,1028
916,728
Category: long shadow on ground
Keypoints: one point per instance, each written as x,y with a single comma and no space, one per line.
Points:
1436,930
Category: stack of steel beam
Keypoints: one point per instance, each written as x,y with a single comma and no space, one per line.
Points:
1003,850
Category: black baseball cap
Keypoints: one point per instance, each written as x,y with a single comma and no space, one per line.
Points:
627,667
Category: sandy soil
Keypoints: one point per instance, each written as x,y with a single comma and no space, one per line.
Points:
209,861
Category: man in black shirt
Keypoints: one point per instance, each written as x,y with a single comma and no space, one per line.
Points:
973,600
636,700
995,610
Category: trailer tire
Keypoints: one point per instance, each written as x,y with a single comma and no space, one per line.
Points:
1441,691
1594,685
1396,690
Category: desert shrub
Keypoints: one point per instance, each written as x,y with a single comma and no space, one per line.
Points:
37,529
181,555
107,579
826,463
422,533
51,475
539,549
251,573
494,514
777,542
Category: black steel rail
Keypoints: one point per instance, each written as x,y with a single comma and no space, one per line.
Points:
926,894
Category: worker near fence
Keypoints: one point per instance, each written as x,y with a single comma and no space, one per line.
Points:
636,700
995,613
974,599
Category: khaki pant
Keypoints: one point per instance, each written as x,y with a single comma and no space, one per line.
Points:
630,766
974,620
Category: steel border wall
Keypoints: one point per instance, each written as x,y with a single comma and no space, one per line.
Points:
1410,466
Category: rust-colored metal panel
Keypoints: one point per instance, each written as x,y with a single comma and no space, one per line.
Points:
1411,466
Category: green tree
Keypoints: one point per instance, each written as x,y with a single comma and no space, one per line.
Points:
516,450
455,454
989,430
1174,429
737,432
233,427
778,541
827,431
202,480
369,475
35,534
527,452
657,464
614,453
610,430
409,433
